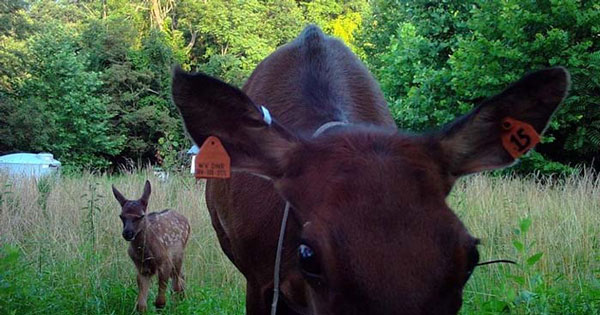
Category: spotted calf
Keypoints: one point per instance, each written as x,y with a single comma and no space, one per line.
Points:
157,245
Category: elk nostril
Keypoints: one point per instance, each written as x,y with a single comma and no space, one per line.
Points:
127,235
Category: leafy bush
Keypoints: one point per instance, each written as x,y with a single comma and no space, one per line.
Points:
12,271
435,60
91,82
60,101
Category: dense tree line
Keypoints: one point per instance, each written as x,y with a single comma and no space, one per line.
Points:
89,80
436,59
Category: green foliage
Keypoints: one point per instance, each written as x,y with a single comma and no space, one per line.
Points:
6,196
15,26
532,35
536,161
411,60
527,281
525,289
91,209
230,38
435,60
10,271
84,286
91,83
172,151
342,19
73,119
44,186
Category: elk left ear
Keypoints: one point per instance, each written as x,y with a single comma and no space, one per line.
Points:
146,194
255,142
474,142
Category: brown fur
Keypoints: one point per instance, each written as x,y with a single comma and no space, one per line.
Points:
157,245
367,201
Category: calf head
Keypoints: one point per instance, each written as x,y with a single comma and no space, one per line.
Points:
377,236
133,212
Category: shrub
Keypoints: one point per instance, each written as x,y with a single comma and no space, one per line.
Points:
437,60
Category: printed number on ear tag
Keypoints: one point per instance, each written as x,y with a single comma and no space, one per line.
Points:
212,161
518,137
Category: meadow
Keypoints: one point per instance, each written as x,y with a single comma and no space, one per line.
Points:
61,250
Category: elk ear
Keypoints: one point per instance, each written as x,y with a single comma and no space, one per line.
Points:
473,142
209,107
122,200
146,193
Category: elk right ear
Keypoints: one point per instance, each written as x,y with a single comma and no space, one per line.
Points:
146,194
474,142
122,200
209,107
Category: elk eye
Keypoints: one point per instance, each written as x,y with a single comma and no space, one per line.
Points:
138,218
308,260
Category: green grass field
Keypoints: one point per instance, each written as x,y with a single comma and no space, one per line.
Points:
61,251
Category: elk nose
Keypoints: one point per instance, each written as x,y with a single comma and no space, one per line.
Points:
128,235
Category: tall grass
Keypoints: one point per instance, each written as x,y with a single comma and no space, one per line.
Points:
62,253
518,218
74,260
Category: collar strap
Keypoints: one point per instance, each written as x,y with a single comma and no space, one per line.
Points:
268,120
286,211
276,276
326,126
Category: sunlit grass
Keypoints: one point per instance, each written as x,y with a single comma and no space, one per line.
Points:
565,229
77,267
72,259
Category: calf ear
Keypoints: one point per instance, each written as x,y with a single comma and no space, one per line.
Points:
210,107
146,193
473,142
122,200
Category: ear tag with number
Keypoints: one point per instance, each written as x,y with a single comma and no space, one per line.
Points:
212,161
518,137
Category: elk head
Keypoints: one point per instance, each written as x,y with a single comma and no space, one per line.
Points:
133,212
376,236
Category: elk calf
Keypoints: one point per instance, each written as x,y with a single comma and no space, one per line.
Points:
157,244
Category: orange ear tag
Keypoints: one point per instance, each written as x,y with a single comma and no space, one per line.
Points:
518,137
212,161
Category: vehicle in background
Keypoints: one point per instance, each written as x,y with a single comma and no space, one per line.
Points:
29,164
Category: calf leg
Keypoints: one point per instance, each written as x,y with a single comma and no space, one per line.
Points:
177,276
163,279
143,286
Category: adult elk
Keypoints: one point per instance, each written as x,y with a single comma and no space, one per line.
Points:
157,245
370,231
